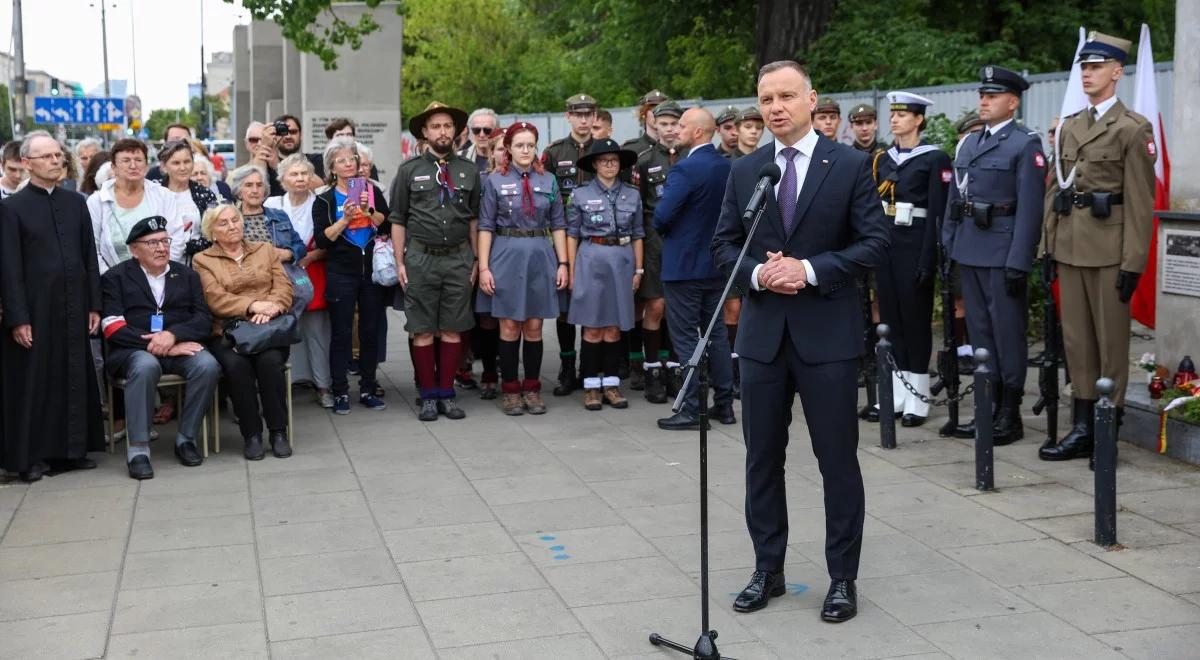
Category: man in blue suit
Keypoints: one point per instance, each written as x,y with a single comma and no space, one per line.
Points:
801,327
686,218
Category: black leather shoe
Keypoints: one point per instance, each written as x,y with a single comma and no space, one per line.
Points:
429,411
965,431
724,414
34,473
873,415
81,463
841,603
188,454
566,378
254,448
656,385
680,421
139,468
1080,440
910,420
764,585
450,409
280,445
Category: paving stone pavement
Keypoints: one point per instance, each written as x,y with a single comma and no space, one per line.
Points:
574,535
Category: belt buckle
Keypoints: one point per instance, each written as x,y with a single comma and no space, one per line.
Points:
1081,200
624,240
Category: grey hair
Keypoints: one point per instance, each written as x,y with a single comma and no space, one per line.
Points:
239,176
479,112
295,160
199,159
364,152
27,143
339,143
253,125
88,142
779,65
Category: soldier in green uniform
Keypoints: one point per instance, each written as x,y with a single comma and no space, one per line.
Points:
650,177
435,213
827,117
728,133
646,105
560,159
1099,220
864,123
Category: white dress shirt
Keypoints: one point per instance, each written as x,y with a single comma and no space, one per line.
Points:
992,130
804,150
158,285
1103,106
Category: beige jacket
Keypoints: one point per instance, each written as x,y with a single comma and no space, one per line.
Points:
230,287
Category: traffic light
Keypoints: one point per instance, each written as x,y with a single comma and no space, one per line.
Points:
54,87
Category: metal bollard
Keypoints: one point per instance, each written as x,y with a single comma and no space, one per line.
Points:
1106,464
887,415
984,467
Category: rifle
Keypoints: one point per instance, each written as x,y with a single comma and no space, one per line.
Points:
1048,368
947,357
868,362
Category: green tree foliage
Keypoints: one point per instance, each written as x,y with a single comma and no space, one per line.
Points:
6,122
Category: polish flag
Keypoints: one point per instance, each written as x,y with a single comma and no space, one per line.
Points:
1145,103
1074,100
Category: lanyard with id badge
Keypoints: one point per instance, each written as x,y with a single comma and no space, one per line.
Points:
156,319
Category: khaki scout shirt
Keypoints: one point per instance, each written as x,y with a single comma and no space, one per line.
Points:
429,214
561,159
1116,154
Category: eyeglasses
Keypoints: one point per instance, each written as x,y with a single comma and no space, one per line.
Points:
524,147
607,161
482,130
131,162
159,242
53,156
345,160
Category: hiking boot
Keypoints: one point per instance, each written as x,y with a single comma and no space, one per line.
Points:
592,399
612,396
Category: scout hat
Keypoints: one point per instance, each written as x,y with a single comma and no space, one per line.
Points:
967,122
908,102
145,227
862,111
416,125
728,113
581,102
1102,47
828,104
750,113
669,108
606,146
652,97
997,79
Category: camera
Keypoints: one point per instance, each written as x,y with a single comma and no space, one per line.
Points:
281,128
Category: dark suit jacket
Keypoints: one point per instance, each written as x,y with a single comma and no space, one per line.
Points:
129,304
842,231
686,216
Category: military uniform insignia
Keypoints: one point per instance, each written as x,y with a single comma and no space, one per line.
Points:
1039,161
1151,148
946,176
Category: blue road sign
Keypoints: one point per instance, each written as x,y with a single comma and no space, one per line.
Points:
78,110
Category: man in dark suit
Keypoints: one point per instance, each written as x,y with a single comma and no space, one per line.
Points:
686,217
801,327
155,319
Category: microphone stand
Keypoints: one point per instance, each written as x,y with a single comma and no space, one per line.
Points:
697,365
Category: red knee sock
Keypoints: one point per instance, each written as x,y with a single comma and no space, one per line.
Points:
449,354
425,362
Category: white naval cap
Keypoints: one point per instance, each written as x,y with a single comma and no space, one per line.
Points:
908,101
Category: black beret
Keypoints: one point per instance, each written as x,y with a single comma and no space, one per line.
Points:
146,226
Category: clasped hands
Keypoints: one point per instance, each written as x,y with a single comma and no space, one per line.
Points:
262,311
163,344
785,275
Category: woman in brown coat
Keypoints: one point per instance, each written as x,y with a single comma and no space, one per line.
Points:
246,280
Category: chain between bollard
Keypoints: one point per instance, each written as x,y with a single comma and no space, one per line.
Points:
930,401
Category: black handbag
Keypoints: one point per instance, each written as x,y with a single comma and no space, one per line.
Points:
247,338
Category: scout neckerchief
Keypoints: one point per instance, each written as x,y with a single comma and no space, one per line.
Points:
527,205
445,183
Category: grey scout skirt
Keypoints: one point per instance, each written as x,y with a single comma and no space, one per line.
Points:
603,293
524,269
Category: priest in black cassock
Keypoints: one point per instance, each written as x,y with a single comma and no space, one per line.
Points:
50,289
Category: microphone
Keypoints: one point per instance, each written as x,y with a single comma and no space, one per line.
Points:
768,176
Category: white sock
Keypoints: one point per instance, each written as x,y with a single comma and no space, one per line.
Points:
966,351
592,383
611,381
672,365
651,365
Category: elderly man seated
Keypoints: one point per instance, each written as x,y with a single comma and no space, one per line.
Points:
154,320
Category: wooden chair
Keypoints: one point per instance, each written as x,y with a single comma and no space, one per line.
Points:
167,380
216,413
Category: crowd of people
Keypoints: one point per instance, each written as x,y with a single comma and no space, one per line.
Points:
487,232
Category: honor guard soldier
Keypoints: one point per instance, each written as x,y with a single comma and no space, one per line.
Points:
827,117
992,232
1099,220
560,159
646,105
650,177
864,123
728,133
912,177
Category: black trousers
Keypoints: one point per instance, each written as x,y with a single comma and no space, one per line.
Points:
253,378
829,395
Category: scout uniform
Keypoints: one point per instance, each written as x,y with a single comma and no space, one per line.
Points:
991,232
913,184
436,199
522,210
1098,231
827,105
728,114
650,177
606,223
560,159
864,111
750,114
968,123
